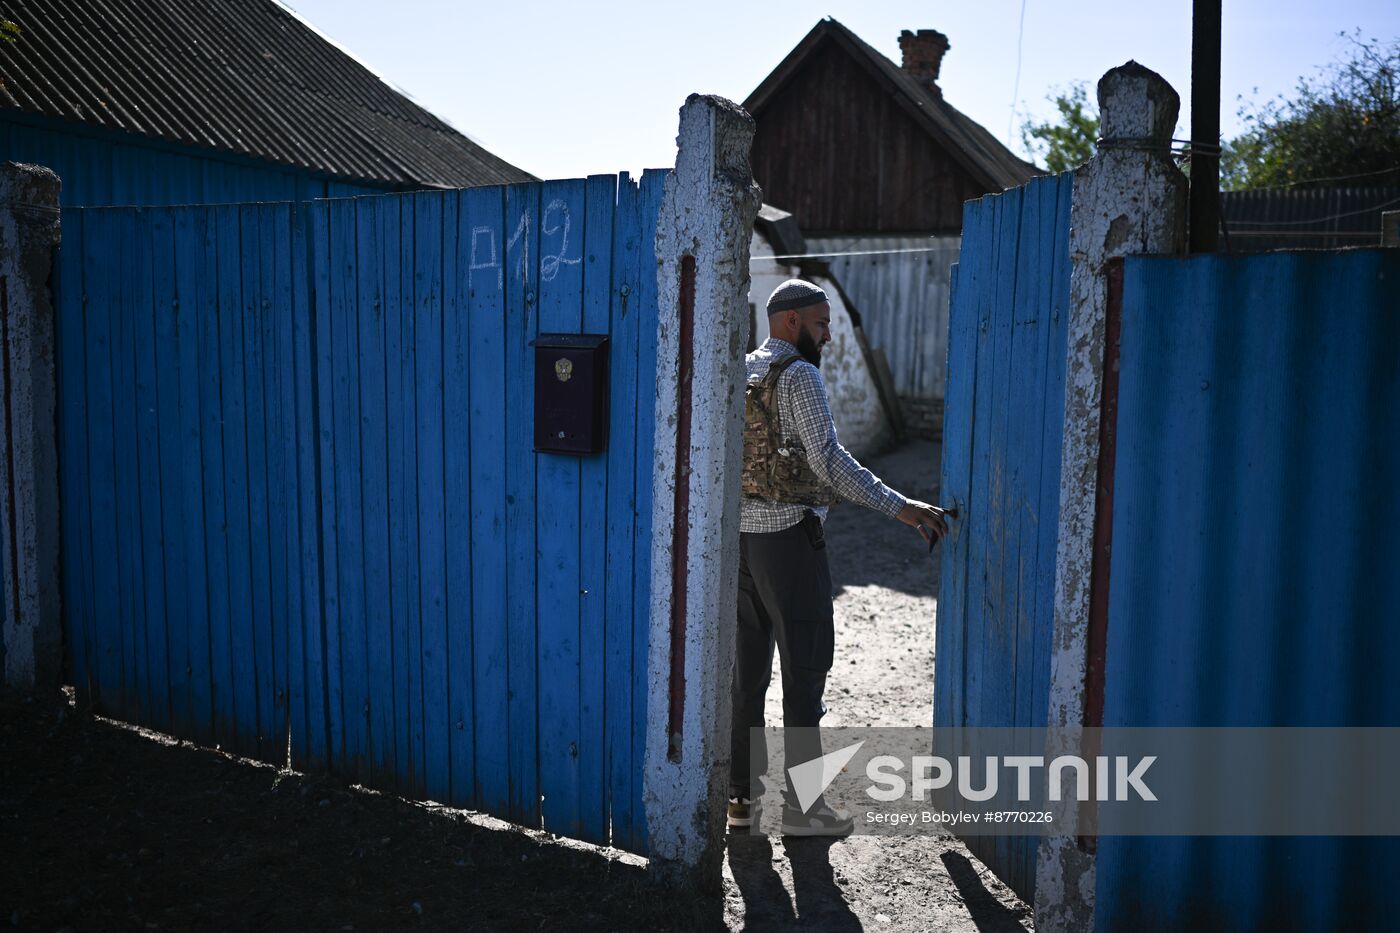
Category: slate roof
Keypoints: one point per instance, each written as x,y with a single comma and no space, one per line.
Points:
246,76
981,153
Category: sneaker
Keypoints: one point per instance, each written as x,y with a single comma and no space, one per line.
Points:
742,812
821,820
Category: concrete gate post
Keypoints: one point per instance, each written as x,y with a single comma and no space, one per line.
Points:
1130,198
31,638
702,248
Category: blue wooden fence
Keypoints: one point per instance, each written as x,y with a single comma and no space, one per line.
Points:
1253,577
301,513
1001,467
103,167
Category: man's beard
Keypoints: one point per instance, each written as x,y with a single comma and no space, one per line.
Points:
811,351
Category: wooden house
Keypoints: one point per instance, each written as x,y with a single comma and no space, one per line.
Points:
146,102
874,160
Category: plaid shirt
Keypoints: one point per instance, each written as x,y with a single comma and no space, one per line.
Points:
802,405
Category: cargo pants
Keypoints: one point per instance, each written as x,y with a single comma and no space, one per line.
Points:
784,601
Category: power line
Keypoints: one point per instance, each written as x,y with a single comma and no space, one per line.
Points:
1307,181
1016,84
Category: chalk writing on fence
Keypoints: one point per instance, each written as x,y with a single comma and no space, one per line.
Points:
490,234
549,265
485,254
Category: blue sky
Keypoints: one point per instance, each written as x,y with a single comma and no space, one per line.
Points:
565,90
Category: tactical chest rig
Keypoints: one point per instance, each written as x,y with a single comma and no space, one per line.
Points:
776,468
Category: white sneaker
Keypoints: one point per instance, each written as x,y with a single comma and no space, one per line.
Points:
742,812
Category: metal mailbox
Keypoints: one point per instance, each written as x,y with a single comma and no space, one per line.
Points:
571,393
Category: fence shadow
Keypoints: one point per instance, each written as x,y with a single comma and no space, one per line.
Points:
990,914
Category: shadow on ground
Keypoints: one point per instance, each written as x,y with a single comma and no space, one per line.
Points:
107,829
817,902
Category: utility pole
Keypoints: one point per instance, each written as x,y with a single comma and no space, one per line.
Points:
1204,214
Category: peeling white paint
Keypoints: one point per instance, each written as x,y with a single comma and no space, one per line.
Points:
1130,198
708,212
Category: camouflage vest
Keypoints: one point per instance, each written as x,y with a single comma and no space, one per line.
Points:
776,468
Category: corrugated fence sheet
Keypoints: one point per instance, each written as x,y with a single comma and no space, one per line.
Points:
1255,554
1001,469
902,299
301,510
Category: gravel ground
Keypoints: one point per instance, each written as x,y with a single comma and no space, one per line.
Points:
887,598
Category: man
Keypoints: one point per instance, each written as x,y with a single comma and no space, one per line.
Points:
794,467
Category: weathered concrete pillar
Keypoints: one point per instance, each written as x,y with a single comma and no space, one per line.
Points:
702,249
1130,198
32,635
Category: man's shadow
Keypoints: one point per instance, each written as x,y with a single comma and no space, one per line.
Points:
817,901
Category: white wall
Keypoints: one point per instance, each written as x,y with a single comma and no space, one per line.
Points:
861,422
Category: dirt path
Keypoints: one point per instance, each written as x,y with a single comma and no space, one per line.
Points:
886,600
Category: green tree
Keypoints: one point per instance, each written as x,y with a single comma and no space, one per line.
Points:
1343,126
1068,142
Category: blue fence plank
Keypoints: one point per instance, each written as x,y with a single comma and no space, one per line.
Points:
308,678
430,248
600,199
483,243
458,493
210,309
169,490
234,284
371,320
131,311
350,542
190,288
623,476
557,524
521,255
403,492
322,219
281,477
70,301
652,189
256,273
151,650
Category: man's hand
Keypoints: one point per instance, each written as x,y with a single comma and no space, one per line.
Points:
930,520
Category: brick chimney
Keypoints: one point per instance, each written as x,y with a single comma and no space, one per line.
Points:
923,54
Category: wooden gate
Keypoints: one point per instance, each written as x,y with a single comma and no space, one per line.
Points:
302,517
1002,432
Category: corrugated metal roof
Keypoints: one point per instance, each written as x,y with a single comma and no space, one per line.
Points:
245,76
979,151
1313,218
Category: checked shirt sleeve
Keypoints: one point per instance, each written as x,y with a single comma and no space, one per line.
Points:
833,463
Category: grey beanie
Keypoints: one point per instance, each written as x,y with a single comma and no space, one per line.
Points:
794,293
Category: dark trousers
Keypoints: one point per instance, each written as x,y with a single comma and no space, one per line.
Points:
784,600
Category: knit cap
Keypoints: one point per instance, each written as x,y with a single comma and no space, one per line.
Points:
794,293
